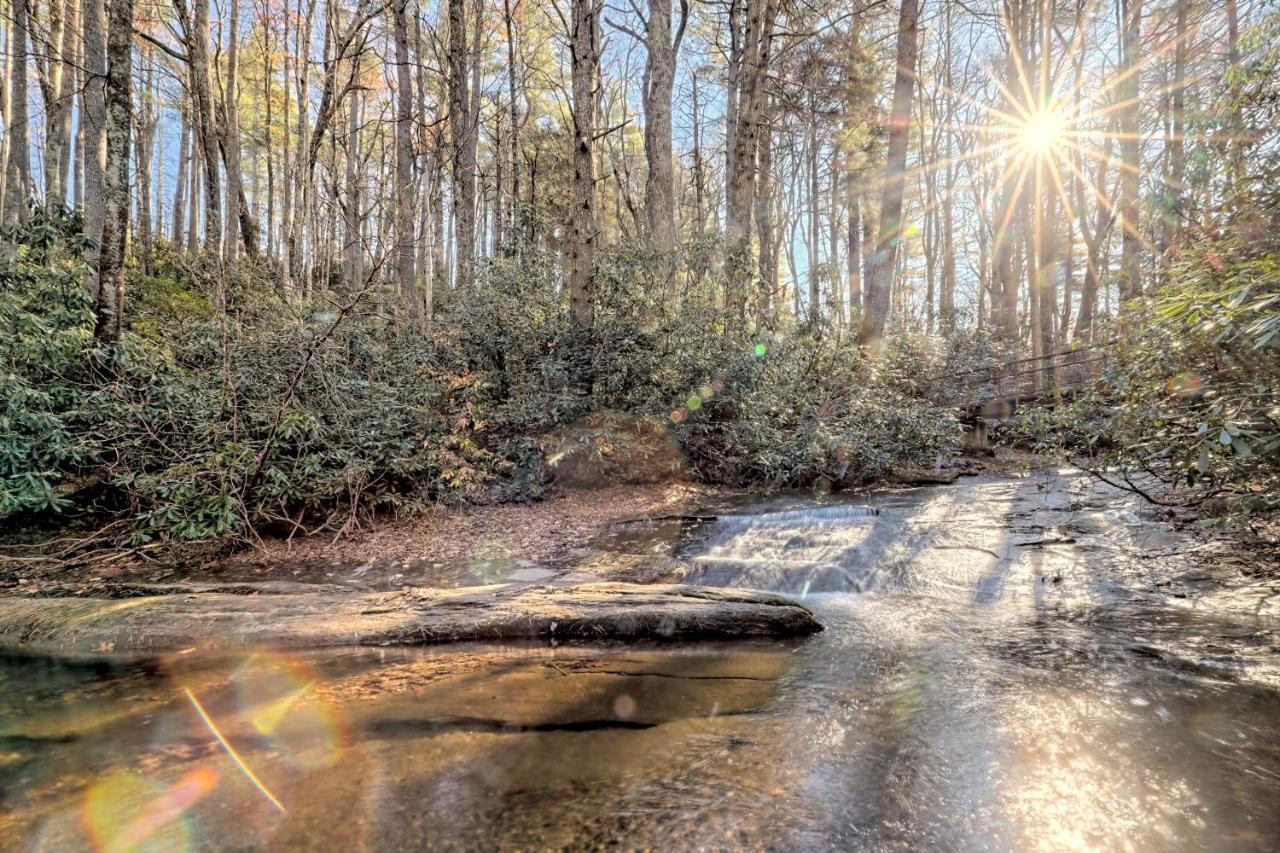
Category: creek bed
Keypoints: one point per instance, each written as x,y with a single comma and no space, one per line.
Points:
1008,663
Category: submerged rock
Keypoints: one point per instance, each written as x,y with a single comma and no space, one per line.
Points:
212,621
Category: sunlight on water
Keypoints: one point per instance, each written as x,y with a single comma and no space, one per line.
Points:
986,680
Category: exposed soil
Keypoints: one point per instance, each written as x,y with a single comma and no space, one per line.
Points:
446,546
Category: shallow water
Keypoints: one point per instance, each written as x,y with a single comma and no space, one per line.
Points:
1008,664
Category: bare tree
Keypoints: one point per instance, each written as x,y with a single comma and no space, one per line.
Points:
658,84
404,163
878,284
18,162
1130,150
464,136
115,228
580,251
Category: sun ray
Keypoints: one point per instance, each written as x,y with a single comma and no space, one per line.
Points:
1118,216
933,165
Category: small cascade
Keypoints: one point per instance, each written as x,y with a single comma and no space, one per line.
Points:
811,515
814,549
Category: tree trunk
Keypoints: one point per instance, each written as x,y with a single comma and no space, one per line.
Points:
812,244
404,164
1171,230
193,193
197,44
853,251
881,277
584,46
509,10
1130,152
1006,224
764,222
699,187
239,217
463,132
748,86
145,126
94,120
947,285
180,187
659,81
18,162
351,273
115,229
62,68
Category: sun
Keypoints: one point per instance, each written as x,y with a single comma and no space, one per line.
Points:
1042,131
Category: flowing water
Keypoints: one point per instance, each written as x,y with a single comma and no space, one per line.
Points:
1008,664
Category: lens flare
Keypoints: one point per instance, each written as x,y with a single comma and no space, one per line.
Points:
230,750
124,811
279,695
1043,131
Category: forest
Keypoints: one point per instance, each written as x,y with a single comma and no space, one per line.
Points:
289,265
640,424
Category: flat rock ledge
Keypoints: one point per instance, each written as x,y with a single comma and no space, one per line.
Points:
220,621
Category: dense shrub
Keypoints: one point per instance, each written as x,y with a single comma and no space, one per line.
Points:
1195,388
203,422
46,347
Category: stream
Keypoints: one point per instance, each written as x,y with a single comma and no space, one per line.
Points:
1023,663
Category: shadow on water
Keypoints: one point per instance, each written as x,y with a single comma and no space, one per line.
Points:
997,672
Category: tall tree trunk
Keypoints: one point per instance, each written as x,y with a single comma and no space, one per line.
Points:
94,119
145,126
18,161
699,179
509,10
61,69
881,277
193,195
115,228
197,45
1130,151
764,193
947,285
748,86
812,243
404,164
1170,232
351,201
180,186
584,47
268,74
1006,224
853,250
833,237
1235,145
659,81
231,137
463,136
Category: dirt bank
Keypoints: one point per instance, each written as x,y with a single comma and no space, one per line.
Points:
446,546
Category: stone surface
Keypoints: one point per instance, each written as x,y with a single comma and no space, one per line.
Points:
216,620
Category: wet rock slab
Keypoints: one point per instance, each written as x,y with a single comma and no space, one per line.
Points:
220,620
